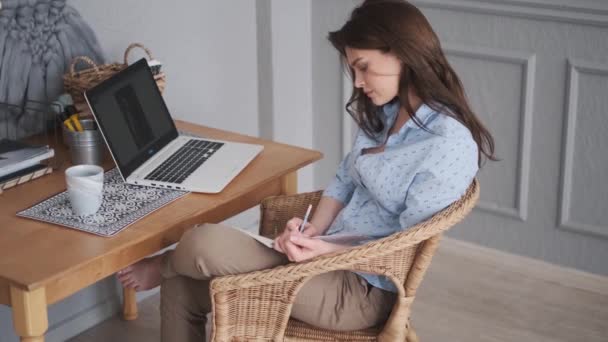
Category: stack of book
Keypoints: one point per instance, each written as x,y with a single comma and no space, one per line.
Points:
21,162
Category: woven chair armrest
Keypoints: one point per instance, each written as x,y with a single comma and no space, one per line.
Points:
280,274
357,258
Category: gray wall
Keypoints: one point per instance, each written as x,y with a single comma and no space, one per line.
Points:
536,72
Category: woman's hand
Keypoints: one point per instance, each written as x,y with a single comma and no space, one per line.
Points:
292,229
301,247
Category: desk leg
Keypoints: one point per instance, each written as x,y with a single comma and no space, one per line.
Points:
30,317
129,304
289,183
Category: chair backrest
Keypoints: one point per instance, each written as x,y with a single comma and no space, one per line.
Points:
438,224
277,210
404,256
423,240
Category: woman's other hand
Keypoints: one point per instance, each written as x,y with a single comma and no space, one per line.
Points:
292,229
301,247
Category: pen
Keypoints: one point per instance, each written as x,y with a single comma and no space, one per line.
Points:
76,122
67,122
305,218
72,114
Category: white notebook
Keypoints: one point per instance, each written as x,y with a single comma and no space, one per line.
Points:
15,156
340,239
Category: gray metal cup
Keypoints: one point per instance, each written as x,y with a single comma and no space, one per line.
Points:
86,147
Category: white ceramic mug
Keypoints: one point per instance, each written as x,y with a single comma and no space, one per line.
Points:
85,188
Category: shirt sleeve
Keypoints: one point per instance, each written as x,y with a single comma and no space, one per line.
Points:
342,186
445,180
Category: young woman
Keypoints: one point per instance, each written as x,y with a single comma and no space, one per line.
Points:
418,148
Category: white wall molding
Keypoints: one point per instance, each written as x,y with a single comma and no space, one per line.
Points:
291,44
575,12
528,63
575,69
265,75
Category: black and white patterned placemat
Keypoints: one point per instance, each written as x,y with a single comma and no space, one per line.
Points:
122,205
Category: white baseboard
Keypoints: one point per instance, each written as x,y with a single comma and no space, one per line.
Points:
526,266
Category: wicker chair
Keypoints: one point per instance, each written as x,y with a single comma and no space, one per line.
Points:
256,306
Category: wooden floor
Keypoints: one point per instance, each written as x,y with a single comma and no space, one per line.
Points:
469,294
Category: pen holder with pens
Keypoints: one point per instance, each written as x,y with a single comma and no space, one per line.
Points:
86,147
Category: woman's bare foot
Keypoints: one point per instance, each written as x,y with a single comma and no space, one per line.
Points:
143,275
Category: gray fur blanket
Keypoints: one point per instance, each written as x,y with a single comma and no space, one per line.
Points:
38,39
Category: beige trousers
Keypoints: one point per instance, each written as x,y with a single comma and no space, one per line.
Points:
337,300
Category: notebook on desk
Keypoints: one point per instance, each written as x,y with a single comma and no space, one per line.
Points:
143,141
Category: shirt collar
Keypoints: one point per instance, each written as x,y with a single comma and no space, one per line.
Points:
422,114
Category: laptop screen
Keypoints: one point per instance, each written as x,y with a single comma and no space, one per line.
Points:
132,115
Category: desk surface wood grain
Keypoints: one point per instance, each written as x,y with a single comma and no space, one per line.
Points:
35,254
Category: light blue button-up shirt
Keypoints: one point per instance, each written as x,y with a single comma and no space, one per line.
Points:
418,174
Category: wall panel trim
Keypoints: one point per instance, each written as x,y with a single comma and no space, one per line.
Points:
575,12
575,69
528,63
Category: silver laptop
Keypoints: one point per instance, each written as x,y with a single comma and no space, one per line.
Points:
137,127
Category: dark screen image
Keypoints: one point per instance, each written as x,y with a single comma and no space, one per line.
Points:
133,113
133,116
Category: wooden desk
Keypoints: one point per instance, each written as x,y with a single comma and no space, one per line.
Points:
41,263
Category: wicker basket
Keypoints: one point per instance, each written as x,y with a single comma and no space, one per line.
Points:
160,78
77,82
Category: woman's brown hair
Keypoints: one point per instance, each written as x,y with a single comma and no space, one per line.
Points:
400,28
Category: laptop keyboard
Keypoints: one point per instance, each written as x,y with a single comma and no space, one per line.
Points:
184,161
